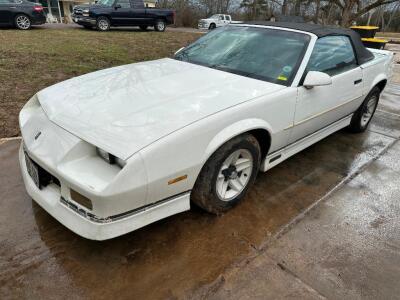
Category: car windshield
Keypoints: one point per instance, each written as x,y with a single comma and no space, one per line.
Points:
271,55
106,2
214,17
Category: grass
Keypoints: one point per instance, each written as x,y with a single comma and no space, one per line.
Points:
32,60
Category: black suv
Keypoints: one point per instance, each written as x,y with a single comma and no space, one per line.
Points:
21,14
107,13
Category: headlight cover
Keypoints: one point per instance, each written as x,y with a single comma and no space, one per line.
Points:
85,12
111,159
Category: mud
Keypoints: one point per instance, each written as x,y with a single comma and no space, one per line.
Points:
173,258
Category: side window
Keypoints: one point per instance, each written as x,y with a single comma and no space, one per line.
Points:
221,18
124,3
332,55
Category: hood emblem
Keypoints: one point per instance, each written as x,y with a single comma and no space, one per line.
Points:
37,135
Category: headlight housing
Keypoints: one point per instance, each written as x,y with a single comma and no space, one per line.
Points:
85,12
111,159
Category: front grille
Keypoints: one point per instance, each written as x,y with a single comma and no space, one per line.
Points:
46,178
77,11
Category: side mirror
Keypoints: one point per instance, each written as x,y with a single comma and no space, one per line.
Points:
117,6
314,78
179,50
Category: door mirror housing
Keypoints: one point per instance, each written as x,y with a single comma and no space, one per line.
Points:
117,6
314,78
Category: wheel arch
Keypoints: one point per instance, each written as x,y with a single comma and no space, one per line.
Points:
380,82
260,129
19,13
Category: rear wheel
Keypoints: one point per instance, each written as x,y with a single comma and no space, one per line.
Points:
22,22
227,175
160,25
103,24
362,117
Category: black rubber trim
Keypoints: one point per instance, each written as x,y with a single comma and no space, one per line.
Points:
84,213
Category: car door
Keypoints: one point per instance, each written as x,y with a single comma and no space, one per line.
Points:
140,14
122,13
6,12
321,106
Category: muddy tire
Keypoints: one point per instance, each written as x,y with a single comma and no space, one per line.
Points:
227,175
363,115
103,24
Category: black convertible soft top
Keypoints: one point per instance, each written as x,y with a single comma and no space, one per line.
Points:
362,54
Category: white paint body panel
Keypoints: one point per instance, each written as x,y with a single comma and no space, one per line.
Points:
204,24
166,118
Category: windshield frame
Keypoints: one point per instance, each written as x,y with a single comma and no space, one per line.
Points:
298,68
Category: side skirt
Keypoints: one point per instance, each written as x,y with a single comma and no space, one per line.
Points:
279,156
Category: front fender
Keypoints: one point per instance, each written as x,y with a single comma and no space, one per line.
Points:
233,130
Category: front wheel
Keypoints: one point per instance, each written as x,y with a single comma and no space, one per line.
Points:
160,25
103,24
22,22
212,26
227,175
362,117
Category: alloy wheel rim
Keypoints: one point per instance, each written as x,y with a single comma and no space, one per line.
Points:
234,175
23,22
369,111
160,26
103,25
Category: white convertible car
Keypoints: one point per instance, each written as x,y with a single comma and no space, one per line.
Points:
112,151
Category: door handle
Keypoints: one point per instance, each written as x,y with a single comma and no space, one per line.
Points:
358,81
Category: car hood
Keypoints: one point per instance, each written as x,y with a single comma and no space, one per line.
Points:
126,108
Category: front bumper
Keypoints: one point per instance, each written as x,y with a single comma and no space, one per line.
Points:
84,21
88,225
203,26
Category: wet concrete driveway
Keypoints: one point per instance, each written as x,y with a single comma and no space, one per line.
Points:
182,256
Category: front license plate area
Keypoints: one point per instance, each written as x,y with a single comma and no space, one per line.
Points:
33,170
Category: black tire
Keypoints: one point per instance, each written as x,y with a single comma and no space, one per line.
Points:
363,115
205,193
22,22
160,25
143,27
212,26
103,24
